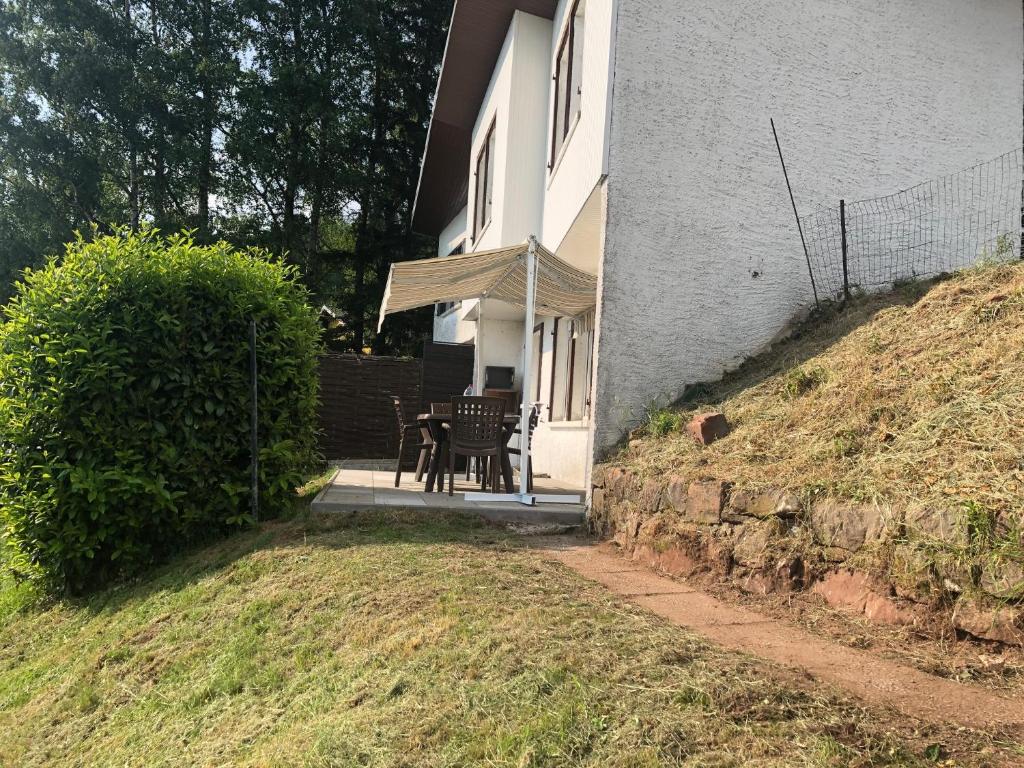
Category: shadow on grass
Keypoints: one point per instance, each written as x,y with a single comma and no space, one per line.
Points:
328,530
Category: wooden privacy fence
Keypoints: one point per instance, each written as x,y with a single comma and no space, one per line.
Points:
357,419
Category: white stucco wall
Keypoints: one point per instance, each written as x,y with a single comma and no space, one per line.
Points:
560,451
523,208
581,163
453,234
503,345
703,264
518,91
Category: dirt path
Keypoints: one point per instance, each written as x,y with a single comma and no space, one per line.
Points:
873,679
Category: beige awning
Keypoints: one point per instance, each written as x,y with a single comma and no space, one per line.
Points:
562,290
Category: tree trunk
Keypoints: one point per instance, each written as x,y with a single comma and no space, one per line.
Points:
131,132
159,161
359,281
296,132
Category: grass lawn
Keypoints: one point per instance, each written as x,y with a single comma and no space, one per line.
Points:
390,641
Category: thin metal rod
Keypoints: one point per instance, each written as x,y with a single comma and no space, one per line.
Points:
524,416
792,200
254,445
479,352
846,264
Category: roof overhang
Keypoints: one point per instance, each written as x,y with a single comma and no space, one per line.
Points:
475,38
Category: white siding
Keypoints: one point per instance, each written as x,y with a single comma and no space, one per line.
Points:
514,103
453,234
703,265
493,110
526,136
581,163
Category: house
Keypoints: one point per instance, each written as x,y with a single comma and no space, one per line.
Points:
632,137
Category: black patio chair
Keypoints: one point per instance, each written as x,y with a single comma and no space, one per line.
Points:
477,430
405,429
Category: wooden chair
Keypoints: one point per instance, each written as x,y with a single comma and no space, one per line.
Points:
534,420
404,430
477,430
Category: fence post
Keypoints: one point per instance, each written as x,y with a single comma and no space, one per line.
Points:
254,445
796,214
846,266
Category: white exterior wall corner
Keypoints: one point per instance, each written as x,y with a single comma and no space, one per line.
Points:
703,265
582,163
525,116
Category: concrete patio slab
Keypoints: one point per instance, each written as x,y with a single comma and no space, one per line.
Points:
353,490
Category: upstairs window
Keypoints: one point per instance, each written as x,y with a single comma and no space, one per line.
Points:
568,80
484,195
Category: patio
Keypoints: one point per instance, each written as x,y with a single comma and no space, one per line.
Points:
352,490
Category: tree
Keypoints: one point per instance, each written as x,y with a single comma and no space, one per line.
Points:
296,125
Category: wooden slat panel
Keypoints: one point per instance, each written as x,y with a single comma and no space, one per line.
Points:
447,371
357,418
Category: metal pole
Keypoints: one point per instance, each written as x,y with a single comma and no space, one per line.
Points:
254,445
846,266
479,352
799,227
524,417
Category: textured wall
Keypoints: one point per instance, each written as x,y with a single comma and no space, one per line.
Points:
703,265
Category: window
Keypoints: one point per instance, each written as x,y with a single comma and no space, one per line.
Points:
578,389
575,381
484,196
568,81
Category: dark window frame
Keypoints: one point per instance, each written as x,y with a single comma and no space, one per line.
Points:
481,211
538,333
568,39
554,370
572,371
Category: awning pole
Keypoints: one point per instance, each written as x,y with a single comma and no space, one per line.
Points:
524,496
524,416
479,385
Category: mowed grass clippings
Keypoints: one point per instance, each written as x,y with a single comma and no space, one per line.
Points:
390,641
912,399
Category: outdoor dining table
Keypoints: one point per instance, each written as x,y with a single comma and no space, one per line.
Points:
435,423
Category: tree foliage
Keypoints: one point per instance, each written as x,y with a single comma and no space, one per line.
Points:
125,402
294,125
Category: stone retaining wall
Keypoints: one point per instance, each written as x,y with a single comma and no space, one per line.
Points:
863,557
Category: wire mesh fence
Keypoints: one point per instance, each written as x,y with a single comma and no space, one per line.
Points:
939,226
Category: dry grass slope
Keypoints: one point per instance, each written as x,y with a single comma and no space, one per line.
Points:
394,641
913,399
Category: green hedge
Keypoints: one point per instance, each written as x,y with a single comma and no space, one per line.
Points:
125,402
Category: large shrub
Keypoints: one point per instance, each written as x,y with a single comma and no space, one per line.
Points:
125,401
